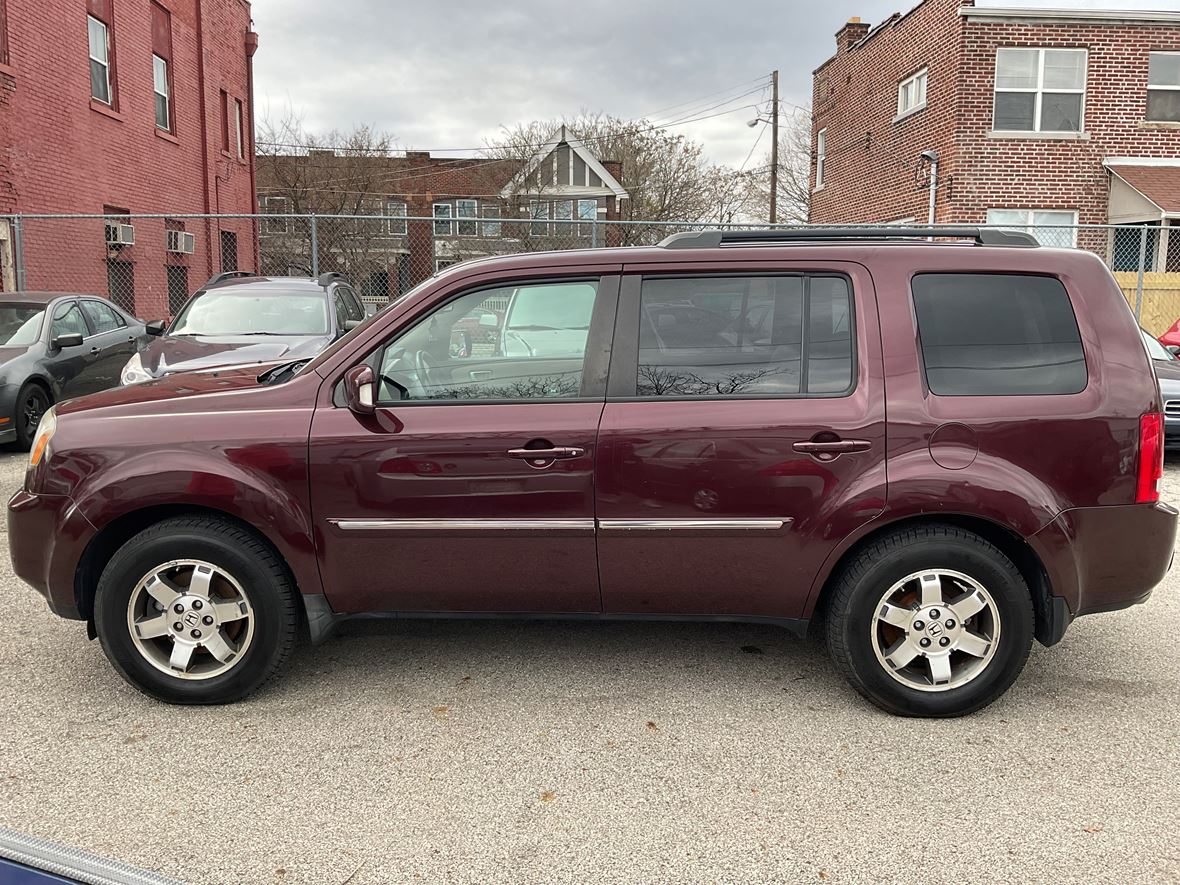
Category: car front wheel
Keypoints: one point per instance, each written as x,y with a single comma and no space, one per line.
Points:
196,610
930,621
31,404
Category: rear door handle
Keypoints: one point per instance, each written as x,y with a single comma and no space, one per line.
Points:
832,447
553,454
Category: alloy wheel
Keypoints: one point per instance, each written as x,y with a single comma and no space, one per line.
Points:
190,619
935,630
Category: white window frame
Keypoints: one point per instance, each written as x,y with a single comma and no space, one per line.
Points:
922,78
443,218
1158,87
1039,90
395,211
469,205
239,134
278,206
157,61
104,60
1031,226
536,219
821,156
491,228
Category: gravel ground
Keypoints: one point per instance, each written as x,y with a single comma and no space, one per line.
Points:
637,752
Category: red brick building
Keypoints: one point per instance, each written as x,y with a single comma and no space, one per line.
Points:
1037,117
110,107
560,197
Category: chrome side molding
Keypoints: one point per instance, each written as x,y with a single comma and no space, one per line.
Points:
567,525
693,524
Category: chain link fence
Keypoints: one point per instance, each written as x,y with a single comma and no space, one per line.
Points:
150,264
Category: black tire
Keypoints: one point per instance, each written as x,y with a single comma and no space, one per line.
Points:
252,562
34,398
891,558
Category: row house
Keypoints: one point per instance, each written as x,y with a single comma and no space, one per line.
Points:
388,222
1040,119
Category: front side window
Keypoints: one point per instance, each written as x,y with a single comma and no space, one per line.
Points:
821,156
508,343
745,336
1163,87
911,93
67,320
100,60
102,318
466,209
1051,227
442,220
998,335
249,311
163,98
1039,90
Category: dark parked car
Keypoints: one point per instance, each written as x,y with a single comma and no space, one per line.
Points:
1167,372
934,451
239,319
79,349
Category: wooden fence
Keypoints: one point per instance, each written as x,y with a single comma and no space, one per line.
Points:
1161,298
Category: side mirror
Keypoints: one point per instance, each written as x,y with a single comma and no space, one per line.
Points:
360,390
155,327
72,339
1173,349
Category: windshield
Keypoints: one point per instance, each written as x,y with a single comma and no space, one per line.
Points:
246,310
1155,350
564,306
20,324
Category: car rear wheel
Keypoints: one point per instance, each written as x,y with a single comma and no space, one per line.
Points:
930,621
32,402
196,610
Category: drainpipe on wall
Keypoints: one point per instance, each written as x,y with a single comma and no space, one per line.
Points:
204,139
251,48
931,157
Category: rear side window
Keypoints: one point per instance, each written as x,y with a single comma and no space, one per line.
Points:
998,335
745,336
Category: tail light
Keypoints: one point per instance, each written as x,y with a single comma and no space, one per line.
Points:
1151,458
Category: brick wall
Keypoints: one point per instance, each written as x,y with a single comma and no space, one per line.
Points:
60,151
870,171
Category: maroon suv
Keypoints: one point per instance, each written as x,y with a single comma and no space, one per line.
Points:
936,450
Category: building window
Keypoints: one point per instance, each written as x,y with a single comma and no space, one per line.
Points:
911,94
100,61
1163,87
229,250
466,209
587,212
491,228
395,210
162,65
539,212
821,156
3,32
279,207
224,121
1051,227
239,136
442,220
121,284
563,211
177,287
1039,90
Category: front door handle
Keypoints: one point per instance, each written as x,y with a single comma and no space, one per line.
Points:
551,454
95,351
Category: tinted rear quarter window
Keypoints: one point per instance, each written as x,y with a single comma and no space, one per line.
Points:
998,335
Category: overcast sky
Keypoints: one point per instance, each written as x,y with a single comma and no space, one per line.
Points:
446,77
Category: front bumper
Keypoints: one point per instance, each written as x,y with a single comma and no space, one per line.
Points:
47,535
8,395
1106,558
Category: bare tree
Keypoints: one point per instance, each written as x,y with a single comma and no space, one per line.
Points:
794,173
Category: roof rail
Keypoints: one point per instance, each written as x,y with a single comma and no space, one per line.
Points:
229,275
712,239
326,279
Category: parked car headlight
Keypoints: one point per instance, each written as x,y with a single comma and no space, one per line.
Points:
134,372
45,431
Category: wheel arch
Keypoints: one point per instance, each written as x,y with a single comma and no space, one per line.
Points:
120,530
1047,614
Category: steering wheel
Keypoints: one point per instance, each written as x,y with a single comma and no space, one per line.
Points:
423,366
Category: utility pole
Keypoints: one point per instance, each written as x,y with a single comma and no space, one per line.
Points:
774,148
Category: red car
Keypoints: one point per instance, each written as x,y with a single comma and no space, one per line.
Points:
1171,338
934,452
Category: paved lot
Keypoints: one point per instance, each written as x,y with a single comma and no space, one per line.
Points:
541,752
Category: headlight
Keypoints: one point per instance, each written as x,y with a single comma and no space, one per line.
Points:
134,372
45,431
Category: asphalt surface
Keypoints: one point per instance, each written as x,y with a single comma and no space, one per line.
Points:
465,752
